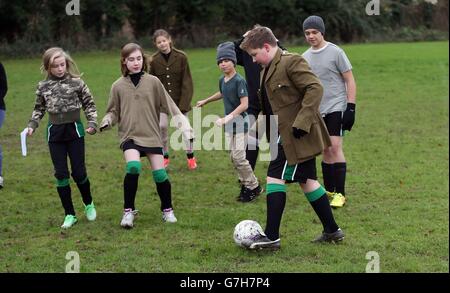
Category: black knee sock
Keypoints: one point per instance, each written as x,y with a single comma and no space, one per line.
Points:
328,176
85,190
65,194
340,170
130,185
252,155
275,207
165,194
323,210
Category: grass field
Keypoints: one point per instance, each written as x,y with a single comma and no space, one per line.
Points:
398,203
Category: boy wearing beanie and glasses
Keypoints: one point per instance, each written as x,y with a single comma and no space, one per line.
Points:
334,70
233,90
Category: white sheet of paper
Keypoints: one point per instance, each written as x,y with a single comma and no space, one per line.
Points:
23,141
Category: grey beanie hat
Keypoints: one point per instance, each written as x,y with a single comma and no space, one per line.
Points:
226,51
315,22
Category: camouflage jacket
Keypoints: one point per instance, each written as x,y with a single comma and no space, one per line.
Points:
62,99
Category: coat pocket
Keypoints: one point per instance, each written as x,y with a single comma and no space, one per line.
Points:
283,94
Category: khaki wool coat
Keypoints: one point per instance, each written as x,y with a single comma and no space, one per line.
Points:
294,93
175,75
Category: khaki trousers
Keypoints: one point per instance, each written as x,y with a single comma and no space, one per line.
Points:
237,144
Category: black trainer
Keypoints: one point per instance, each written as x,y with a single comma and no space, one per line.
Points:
242,194
252,194
330,237
262,242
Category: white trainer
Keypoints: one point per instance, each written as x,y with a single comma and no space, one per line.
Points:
169,216
1,182
128,218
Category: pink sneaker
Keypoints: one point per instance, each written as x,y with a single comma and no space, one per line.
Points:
192,163
166,162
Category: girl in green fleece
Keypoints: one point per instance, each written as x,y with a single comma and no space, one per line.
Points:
135,103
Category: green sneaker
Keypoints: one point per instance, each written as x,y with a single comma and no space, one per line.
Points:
69,221
338,201
90,212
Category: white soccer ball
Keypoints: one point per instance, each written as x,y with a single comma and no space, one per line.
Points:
246,229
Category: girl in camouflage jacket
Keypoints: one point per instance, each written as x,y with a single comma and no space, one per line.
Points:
62,94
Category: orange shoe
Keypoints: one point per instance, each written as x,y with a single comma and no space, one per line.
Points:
166,162
192,163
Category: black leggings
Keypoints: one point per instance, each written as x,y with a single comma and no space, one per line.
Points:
75,150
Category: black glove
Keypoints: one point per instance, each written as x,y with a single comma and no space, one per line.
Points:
298,133
349,117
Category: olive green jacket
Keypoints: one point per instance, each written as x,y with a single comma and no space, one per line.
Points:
294,93
176,77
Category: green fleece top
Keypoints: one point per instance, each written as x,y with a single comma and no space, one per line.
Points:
136,110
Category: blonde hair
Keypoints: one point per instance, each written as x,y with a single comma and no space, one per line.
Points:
55,52
127,49
163,33
257,37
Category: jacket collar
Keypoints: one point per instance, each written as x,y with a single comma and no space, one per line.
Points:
172,58
52,77
276,59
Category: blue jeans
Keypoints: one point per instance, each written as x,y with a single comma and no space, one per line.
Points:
2,118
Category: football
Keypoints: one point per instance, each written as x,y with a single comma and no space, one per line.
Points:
246,229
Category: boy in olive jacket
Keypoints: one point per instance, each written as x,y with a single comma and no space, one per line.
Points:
291,91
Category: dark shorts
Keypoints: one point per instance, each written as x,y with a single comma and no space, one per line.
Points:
333,121
143,151
300,172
